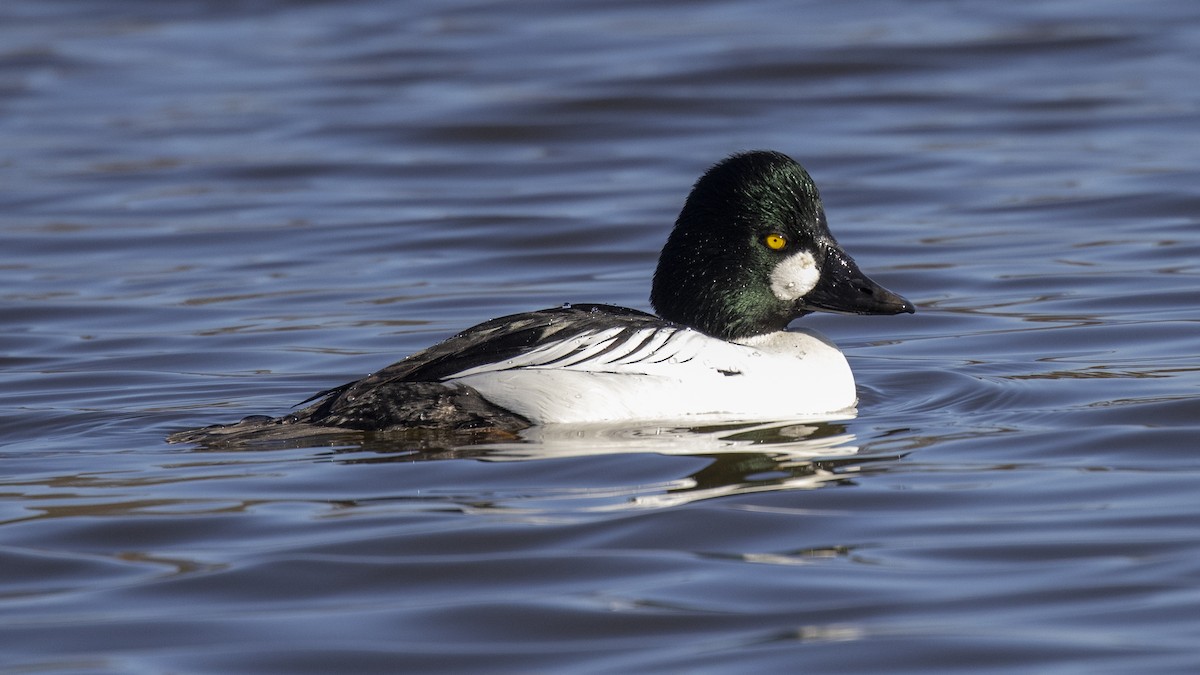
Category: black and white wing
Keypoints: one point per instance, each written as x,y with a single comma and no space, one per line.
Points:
574,335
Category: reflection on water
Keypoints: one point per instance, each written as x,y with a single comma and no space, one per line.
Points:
738,459
797,439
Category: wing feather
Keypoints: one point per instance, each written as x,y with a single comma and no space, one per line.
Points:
568,336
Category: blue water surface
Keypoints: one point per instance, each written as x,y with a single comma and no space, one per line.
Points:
209,210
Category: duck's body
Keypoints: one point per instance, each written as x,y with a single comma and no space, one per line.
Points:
593,363
750,252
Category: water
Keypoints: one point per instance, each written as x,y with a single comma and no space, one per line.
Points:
212,210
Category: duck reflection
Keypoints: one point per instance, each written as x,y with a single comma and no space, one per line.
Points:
734,458
739,458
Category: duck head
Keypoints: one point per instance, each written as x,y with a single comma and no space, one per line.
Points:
751,251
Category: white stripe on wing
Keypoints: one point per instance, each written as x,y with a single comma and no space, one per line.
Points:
612,350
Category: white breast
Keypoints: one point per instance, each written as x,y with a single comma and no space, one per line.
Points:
669,374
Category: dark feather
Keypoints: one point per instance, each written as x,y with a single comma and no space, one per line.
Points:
411,394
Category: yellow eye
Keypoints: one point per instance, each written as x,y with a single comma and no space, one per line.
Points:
775,242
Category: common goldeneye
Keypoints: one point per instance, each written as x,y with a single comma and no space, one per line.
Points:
749,253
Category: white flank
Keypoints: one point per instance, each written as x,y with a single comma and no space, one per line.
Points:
669,374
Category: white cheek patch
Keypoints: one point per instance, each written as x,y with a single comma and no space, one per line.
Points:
795,276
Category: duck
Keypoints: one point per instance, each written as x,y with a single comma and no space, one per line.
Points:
750,253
